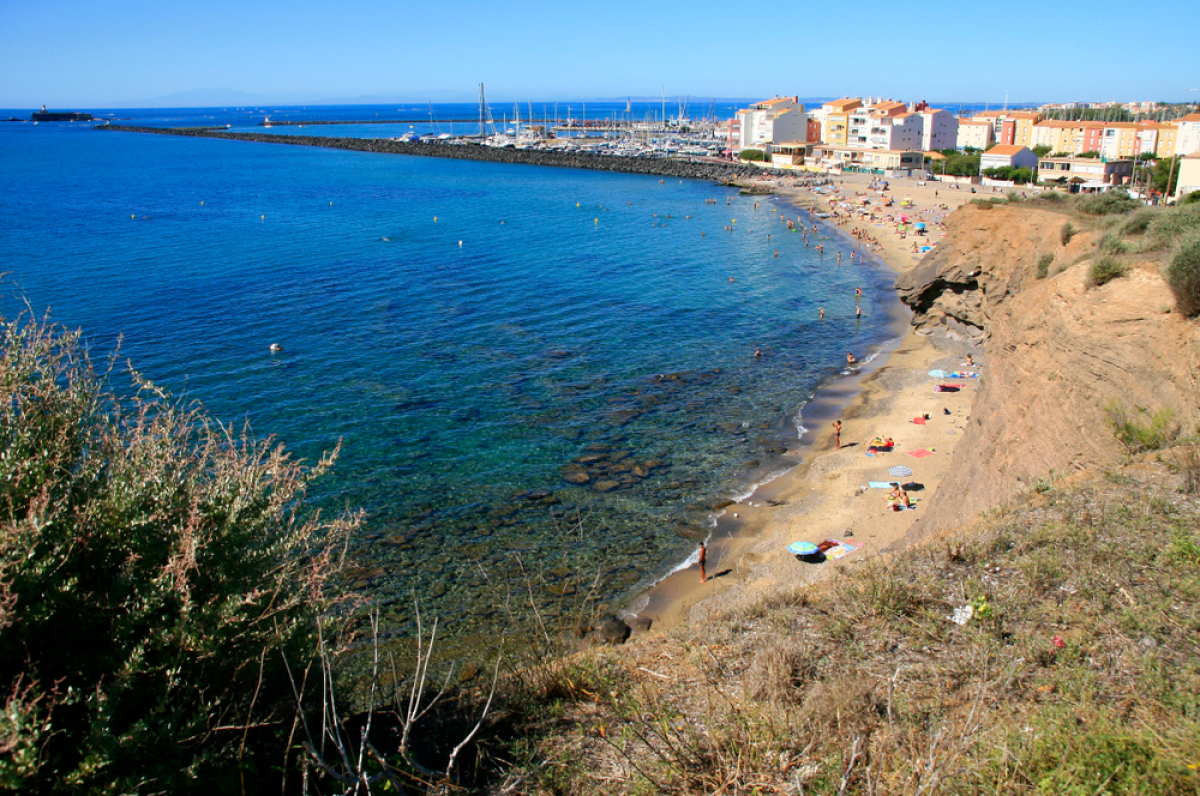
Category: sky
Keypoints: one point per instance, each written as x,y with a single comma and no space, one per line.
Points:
80,54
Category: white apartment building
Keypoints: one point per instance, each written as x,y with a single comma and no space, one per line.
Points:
974,133
772,121
939,130
1188,140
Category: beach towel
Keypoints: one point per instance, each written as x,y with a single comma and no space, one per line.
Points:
880,484
947,388
920,421
939,374
917,454
839,549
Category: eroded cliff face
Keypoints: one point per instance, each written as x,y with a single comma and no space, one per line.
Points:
1057,352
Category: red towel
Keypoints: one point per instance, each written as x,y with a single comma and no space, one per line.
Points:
920,421
917,454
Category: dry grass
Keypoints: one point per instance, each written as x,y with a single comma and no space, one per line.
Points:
1079,673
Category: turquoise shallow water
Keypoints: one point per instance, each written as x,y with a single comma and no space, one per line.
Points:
583,354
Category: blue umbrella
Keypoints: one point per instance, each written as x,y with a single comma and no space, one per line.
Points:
802,548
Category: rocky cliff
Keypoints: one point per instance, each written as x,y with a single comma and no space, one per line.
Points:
1060,354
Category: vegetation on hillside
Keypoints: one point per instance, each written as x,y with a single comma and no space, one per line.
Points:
155,569
1053,649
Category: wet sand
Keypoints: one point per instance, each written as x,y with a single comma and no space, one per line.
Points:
826,496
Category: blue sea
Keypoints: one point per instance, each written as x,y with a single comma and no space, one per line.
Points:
521,363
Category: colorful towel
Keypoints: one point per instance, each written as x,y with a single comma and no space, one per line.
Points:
920,421
839,548
917,454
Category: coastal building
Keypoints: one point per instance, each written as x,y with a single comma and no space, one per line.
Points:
836,120
877,161
974,134
1120,140
1189,175
1008,156
1188,140
790,154
1011,127
1086,173
771,121
939,129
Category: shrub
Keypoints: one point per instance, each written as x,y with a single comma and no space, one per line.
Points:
1108,203
1136,432
156,565
1170,225
1066,232
1105,270
1043,265
751,154
1111,243
1139,222
1191,198
1183,275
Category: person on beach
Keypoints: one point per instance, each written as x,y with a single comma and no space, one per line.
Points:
837,435
701,557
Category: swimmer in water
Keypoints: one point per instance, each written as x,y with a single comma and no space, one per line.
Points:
821,310
850,360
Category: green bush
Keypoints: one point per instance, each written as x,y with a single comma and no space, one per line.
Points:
1170,225
1190,198
1108,203
752,154
1183,275
1111,243
1140,431
1066,232
1043,265
155,567
1105,270
1139,222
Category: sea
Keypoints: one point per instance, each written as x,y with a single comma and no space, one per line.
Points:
537,376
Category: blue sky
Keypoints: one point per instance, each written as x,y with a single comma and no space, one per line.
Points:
103,53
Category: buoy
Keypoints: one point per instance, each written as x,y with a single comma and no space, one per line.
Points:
131,215
597,221
331,204
460,244
577,204
435,219
202,204
264,218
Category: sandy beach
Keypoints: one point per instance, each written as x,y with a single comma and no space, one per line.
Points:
828,495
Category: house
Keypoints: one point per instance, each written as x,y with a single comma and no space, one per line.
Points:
837,119
1189,175
1188,140
1087,173
1120,140
790,154
764,123
939,129
974,133
1012,156
875,161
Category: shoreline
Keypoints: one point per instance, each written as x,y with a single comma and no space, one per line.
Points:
825,496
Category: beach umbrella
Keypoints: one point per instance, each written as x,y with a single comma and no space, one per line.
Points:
900,471
802,548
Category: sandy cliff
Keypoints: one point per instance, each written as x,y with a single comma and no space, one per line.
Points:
1058,352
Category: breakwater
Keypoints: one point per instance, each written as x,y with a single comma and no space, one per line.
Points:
661,167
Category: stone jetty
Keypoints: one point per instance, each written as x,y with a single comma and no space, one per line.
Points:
661,167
